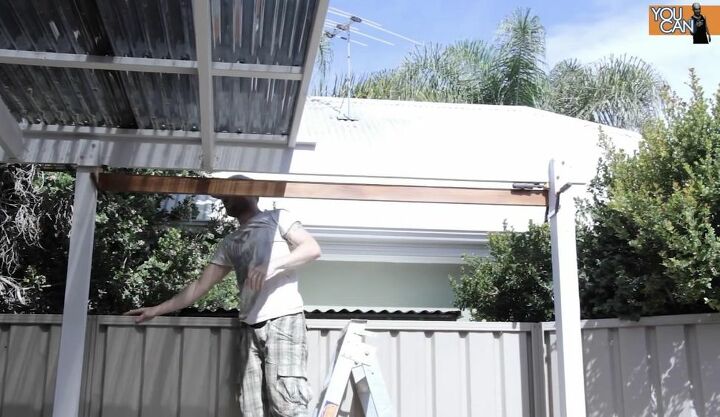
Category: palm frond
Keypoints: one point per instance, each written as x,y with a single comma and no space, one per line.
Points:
521,40
619,91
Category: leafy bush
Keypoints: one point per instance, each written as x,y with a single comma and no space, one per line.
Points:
142,254
652,244
514,283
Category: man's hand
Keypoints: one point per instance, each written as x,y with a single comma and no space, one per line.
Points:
142,314
257,275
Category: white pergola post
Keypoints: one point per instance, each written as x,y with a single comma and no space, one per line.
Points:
561,212
203,48
72,338
11,139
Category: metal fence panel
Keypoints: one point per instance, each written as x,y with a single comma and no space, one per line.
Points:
665,366
658,366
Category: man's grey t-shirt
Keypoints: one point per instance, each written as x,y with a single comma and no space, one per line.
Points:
256,243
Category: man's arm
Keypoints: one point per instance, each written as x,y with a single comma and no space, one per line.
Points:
707,31
305,250
212,274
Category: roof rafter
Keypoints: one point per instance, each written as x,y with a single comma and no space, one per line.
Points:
203,48
312,48
133,64
89,132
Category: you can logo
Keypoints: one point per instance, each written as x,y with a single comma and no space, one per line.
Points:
690,20
670,20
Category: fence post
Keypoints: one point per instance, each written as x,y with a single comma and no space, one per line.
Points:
537,340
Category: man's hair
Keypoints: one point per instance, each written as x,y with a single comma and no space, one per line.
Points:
242,177
239,177
695,6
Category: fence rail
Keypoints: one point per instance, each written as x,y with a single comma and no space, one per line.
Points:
184,366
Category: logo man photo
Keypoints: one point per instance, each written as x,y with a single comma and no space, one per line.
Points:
700,30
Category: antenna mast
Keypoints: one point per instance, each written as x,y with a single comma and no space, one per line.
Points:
345,30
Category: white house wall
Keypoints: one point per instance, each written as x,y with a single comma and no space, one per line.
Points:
377,284
436,143
421,216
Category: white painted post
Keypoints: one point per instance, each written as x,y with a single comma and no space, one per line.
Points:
72,337
561,212
203,47
11,139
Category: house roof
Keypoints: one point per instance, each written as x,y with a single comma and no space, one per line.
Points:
446,141
156,84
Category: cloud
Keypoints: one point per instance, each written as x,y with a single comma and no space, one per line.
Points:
625,31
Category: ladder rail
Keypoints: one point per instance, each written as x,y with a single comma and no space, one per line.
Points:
355,361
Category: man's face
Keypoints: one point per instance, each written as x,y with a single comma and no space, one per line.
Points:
237,206
696,10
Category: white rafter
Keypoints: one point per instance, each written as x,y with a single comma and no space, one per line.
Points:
167,66
118,151
203,49
312,48
11,140
179,136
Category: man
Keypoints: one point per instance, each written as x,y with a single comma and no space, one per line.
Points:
701,32
264,251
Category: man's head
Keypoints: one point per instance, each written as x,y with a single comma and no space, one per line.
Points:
696,9
239,206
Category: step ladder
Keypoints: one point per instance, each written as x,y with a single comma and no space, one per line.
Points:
355,360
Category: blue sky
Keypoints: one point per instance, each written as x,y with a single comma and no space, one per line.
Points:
584,29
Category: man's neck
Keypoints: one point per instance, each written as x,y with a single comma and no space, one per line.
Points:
245,217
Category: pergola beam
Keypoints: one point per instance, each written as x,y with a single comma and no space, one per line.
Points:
133,64
203,48
319,190
313,44
11,140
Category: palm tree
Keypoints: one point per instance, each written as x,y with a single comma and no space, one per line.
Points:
506,72
323,61
431,73
617,91
521,40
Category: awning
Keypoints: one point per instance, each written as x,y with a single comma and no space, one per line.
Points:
186,84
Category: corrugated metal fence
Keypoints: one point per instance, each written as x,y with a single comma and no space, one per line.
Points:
662,366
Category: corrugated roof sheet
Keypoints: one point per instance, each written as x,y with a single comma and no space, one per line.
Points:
69,96
384,310
382,313
270,32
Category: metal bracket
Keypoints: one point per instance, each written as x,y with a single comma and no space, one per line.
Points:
95,177
559,183
554,200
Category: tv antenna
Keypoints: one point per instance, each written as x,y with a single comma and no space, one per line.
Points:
340,30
